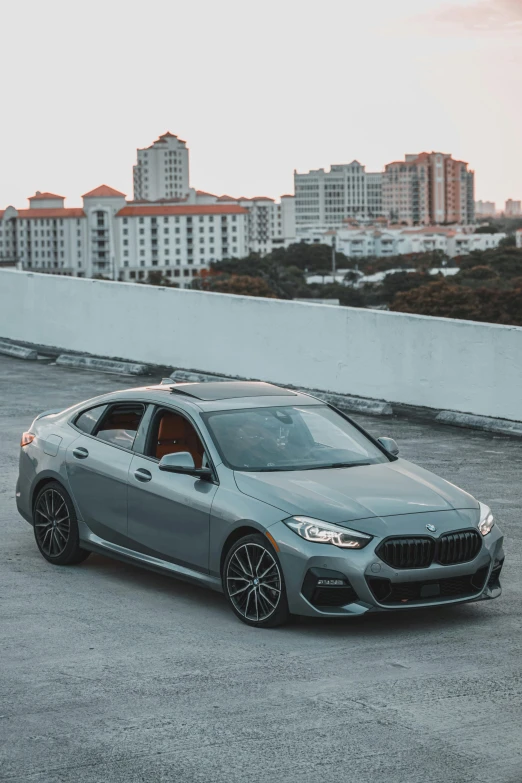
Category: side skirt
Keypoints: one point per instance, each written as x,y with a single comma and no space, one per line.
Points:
96,544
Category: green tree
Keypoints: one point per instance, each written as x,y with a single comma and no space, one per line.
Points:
448,300
243,285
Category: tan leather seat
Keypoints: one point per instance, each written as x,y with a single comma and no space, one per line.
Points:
171,435
175,434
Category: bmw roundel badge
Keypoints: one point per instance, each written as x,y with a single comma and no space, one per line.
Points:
431,528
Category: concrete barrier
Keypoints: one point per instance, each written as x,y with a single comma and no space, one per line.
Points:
101,365
436,363
479,422
18,351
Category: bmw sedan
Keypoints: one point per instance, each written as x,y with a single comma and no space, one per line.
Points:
271,496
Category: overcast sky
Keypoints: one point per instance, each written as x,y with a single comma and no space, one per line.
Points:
257,90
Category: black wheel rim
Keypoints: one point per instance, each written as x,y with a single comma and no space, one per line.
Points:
52,523
254,582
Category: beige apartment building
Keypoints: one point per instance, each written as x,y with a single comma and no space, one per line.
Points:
428,189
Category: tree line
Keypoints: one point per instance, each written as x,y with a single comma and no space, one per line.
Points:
486,286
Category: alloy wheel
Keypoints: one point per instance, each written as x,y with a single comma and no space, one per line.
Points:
52,523
254,582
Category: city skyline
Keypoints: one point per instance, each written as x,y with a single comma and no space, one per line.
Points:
387,82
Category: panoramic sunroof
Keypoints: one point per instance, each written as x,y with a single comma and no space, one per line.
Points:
226,390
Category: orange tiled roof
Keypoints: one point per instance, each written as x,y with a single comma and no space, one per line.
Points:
188,209
39,196
104,191
204,193
227,198
73,212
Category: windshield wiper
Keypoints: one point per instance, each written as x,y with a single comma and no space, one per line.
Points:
295,468
337,465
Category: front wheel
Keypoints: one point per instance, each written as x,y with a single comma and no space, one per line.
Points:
253,583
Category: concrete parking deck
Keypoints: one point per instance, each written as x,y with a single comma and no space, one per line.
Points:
111,674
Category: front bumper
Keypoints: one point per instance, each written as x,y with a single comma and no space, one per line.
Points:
436,585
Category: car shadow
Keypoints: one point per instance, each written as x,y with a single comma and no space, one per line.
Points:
374,624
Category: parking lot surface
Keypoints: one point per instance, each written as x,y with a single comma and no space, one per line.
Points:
112,674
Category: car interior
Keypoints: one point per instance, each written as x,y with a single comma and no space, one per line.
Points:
172,433
120,425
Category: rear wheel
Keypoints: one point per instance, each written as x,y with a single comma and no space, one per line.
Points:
254,584
56,526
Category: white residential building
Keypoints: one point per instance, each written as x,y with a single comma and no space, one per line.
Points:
269,225
179,239
381,242
162,170
113,239
328,198
79,241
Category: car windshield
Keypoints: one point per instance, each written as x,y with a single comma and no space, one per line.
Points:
289,438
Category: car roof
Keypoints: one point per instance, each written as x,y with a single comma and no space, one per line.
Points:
227,390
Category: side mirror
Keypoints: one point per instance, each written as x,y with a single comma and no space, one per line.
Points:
182,462
389,444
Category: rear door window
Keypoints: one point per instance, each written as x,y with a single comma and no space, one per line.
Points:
120,424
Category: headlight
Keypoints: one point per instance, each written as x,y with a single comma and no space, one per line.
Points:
486,520
324,533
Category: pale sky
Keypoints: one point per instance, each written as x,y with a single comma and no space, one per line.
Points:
257,90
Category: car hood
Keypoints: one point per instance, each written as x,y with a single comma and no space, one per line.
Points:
343,495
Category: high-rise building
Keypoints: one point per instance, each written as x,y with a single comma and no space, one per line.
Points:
513,208
328,198
162,170
485,209
428,188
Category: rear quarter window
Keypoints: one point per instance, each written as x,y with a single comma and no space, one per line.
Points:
87,420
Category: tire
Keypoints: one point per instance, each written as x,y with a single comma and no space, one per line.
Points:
56,526
260,605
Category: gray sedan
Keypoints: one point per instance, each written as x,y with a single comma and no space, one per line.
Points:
269,495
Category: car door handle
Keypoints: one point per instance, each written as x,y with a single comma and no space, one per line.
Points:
80,452
143,475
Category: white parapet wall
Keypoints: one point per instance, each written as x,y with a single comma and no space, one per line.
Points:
434,362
